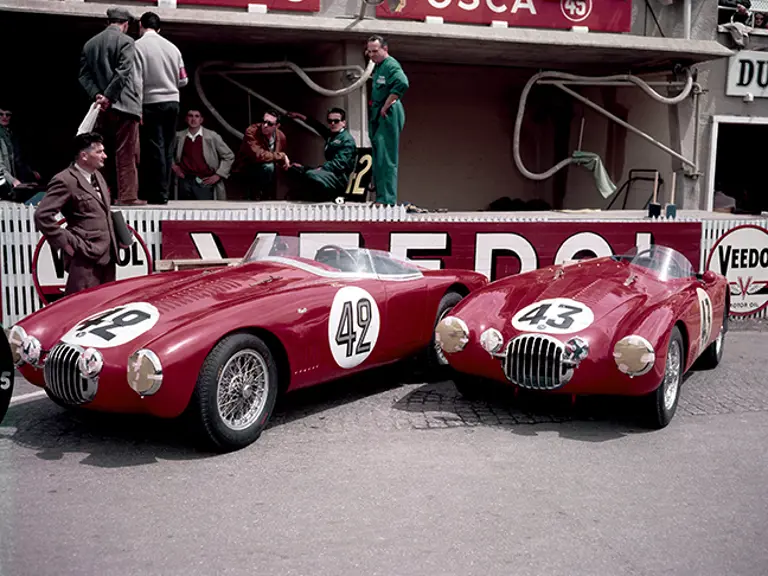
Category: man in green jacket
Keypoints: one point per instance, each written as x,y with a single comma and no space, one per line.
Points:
386,117
329,181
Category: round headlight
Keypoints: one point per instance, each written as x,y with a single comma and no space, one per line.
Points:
145,373
90,363
31,350
16,338
491,340
452,334
634,355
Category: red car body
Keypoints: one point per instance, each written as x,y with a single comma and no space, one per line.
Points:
285,301
562,312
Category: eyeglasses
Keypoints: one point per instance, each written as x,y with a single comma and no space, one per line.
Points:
334,120
6,114
268,123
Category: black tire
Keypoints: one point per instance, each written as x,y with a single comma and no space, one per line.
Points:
204,410
659,408
713,354
435,357
7,375
470,387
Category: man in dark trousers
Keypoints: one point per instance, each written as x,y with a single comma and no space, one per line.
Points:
163,74
386,118
88,244
109,74
329,180
261,152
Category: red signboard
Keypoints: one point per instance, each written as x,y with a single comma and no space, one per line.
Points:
287,5
602,15
495,249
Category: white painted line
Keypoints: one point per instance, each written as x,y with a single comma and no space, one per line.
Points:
25,397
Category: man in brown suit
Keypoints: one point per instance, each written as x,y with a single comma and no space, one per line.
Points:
261,151
88,243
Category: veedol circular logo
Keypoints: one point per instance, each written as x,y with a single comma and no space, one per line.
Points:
576,10
741,255
553,316
50,278
113,327
353,326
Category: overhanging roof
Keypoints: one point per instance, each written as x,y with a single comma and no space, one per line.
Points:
414,41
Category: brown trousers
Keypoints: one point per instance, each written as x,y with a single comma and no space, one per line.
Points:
84,274
121,140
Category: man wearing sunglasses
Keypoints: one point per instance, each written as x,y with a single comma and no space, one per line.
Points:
328,181
259,156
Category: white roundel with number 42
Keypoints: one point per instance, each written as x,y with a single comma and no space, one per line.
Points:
353,326
576,10
113,327
553,316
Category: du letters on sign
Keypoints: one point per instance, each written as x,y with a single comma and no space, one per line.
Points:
748,74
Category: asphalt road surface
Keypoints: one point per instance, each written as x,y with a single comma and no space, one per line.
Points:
381,475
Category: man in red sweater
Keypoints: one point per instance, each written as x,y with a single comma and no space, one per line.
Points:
202,161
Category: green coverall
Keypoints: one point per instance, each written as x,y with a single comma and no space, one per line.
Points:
331,178
388,78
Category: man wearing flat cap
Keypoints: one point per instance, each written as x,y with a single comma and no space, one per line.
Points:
109,74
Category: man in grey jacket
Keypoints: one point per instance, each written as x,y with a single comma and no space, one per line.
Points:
202,161
109,75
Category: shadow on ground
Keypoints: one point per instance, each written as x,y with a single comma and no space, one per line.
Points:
527,413
124,440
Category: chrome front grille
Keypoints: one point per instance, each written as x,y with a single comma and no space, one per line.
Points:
63,378
536,361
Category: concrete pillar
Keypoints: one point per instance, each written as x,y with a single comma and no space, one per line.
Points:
356,103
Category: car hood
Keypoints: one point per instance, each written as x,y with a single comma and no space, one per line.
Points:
173,299
601,289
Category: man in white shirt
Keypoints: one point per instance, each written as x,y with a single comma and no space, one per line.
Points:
163,73
203,161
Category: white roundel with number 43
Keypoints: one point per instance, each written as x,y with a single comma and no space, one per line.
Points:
553,316
113,327
576,10
353,326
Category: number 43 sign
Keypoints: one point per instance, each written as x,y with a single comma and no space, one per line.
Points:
553,316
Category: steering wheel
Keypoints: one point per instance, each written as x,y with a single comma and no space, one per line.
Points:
334,258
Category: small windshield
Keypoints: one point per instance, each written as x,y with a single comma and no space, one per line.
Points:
664,262
313,249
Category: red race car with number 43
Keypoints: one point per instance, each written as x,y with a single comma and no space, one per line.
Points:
619,325
221,343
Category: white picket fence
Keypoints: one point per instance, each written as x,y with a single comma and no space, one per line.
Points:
19,238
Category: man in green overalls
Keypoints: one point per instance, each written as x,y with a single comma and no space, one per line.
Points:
329,181
386,118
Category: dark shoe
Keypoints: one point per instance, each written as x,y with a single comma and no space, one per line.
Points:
132,203
160,201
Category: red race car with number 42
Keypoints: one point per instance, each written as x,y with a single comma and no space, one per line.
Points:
221,343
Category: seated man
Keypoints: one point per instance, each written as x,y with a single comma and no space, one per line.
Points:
261,151
18,181
328,181
202,161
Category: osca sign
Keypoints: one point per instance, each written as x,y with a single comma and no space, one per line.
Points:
50,278
741,255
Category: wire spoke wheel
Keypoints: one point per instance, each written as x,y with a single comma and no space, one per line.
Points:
242,389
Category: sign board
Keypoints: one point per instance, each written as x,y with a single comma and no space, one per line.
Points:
602,16
272,5
747,74
741,255
494,249
50,278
